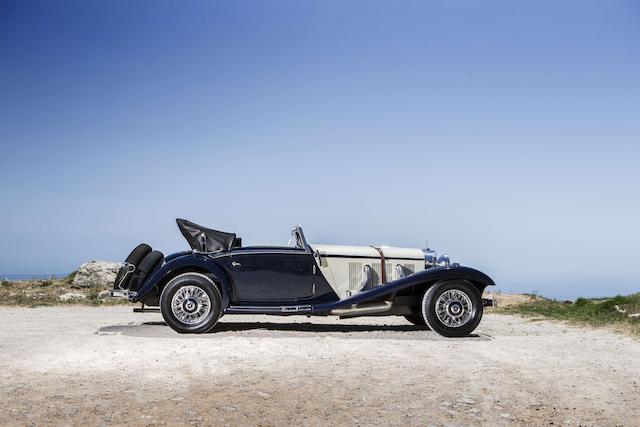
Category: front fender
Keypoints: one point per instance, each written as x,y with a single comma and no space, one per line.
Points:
431,275
182,262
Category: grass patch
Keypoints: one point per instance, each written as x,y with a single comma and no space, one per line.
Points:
594,312
47,292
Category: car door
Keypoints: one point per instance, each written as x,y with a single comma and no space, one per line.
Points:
271,276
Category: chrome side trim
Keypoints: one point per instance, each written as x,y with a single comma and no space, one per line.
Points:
216,255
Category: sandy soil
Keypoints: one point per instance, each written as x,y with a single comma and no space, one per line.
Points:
85,365
508,300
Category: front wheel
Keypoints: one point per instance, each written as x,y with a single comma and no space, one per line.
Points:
452,309
191,303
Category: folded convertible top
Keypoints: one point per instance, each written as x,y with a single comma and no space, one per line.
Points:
205,239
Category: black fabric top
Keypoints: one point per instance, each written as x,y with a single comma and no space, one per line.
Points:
205,239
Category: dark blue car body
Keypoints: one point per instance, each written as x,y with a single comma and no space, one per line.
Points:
272,280
218,276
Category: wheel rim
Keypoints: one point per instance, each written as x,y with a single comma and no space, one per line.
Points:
190,304
454,308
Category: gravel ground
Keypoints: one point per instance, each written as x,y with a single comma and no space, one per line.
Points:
85,365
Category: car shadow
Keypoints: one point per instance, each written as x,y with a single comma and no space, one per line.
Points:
310,327
286,330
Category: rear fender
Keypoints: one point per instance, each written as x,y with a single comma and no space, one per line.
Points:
181,263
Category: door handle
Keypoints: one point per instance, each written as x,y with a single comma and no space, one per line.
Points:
236,264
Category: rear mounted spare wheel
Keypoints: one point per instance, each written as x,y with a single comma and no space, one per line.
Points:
131,263
146,267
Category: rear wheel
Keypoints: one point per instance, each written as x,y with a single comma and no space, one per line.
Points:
191,303
452,309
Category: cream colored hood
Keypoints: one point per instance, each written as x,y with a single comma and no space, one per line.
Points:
345,267
368,251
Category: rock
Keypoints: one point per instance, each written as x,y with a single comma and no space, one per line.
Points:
466,400
71,295
96,273
104,294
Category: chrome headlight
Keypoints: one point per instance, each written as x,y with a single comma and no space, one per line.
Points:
430,258
443,261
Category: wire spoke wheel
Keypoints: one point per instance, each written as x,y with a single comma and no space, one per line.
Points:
454,308
190,304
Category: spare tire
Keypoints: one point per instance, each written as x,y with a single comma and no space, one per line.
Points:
146,267
135,258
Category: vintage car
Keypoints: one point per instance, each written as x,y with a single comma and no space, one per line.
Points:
193,289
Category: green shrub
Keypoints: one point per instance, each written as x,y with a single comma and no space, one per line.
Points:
71,276
600,312
92,294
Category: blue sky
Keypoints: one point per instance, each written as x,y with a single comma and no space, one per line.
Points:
505,133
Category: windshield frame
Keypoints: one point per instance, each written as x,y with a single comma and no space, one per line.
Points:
297,236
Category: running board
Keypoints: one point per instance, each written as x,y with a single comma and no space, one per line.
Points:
280,310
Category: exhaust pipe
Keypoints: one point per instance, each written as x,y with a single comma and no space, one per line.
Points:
362,309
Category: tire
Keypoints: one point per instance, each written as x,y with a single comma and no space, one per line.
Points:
195,289
135,258
417,320
457,318
146,267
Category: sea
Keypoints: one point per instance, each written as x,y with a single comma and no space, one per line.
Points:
32,276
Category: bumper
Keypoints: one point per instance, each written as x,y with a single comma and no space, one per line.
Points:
122,293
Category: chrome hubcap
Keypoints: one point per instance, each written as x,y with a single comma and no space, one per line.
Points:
190,304
454,308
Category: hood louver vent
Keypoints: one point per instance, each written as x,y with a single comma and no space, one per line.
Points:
355,276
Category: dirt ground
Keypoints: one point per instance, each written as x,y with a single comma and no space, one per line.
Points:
508,300
86,365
